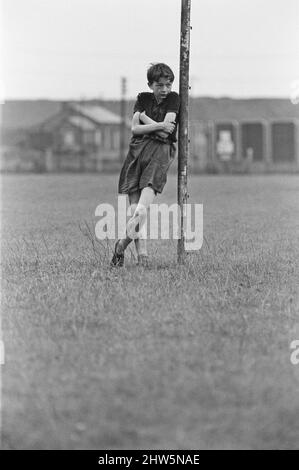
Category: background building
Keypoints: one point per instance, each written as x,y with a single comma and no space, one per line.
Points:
226,135
77,137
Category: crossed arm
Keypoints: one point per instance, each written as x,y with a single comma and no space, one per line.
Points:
163,128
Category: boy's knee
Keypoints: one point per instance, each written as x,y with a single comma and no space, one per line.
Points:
150,188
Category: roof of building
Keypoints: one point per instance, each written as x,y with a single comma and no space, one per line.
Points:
23,114
82,122
97,113
241,109
207,108
62,118
30,114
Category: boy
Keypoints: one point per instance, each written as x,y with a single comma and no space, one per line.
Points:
151,152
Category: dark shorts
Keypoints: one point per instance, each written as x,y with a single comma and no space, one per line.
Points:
146,164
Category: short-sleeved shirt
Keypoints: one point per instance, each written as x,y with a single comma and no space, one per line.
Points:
147,102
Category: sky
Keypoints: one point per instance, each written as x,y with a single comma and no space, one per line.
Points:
79,49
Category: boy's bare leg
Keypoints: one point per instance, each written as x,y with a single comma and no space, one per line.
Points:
143,200
137,221
140,242
124,242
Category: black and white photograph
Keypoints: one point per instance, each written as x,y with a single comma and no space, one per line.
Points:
149,174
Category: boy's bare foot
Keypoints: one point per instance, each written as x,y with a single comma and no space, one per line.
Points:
118,256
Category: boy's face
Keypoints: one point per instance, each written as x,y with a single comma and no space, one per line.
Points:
161,88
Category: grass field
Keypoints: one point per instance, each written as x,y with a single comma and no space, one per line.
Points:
168,357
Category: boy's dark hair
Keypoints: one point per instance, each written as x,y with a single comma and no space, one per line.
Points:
157,71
